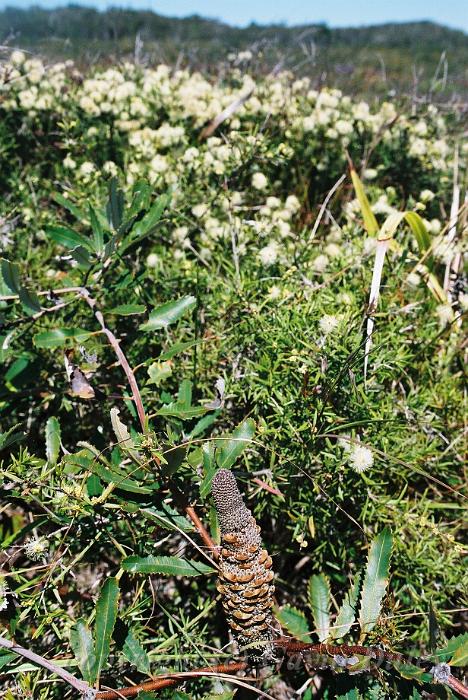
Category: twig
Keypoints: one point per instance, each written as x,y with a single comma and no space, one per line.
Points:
169,680
202,531
225,114
81,686
324,206
120,354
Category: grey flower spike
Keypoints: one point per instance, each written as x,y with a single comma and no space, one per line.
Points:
245,576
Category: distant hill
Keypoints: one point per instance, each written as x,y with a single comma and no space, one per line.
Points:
414,57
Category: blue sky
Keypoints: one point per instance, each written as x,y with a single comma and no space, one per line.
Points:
453,13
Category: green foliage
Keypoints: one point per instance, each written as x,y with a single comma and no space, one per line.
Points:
116,216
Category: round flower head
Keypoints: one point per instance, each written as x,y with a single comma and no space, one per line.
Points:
35,548
259,181
360,458
328,323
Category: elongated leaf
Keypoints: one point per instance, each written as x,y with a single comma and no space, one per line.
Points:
115,204
370,222
81,641
98,233
114,476
106,615
168,313
59,336
168,518
352,694
135,653
7,658
52,440
150,219
68,238
375,580
294,621
176,348
128,309
347,613
10,275
169,566
72,208
233,446
319,601
209,469
142,192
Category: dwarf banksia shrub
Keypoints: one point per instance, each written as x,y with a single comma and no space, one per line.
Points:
245,575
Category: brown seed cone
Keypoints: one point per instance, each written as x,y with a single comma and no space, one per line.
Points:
245,576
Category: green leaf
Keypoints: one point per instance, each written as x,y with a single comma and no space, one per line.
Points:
370,222
176,348
294,621
455,651
352,694
98,233
8,658
169,566
59,336
142,192
115,476
147,224
115,204
135,653
81,642
347,613
52,440
10,437
128,309
319,601
10,275
375,580
168,313
159,371
106,615
29,300
209,469
67,237
168,518
72,208
231,448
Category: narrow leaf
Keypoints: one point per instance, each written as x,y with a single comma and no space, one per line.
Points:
294,621
168,518
128,309
347,613
81,641
169,566
150,219
168,313
234,445
455,651
67,237
319,601
370,222
72,208
98,233
52,440
375,580
106,615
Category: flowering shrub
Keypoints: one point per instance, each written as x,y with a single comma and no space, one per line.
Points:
232,269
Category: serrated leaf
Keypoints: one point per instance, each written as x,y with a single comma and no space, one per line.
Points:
294,621
135,653
347,612
29,300
168,566
168,313
375,580
455,651
10,275
106,615
81,642
67,238
127,310
52,440
319,601
10,436
231,448
59,336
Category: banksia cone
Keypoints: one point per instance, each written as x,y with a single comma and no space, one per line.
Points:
245,575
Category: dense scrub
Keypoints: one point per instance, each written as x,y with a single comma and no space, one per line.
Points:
111,191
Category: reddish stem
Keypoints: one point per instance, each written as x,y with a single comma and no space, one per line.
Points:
202,531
